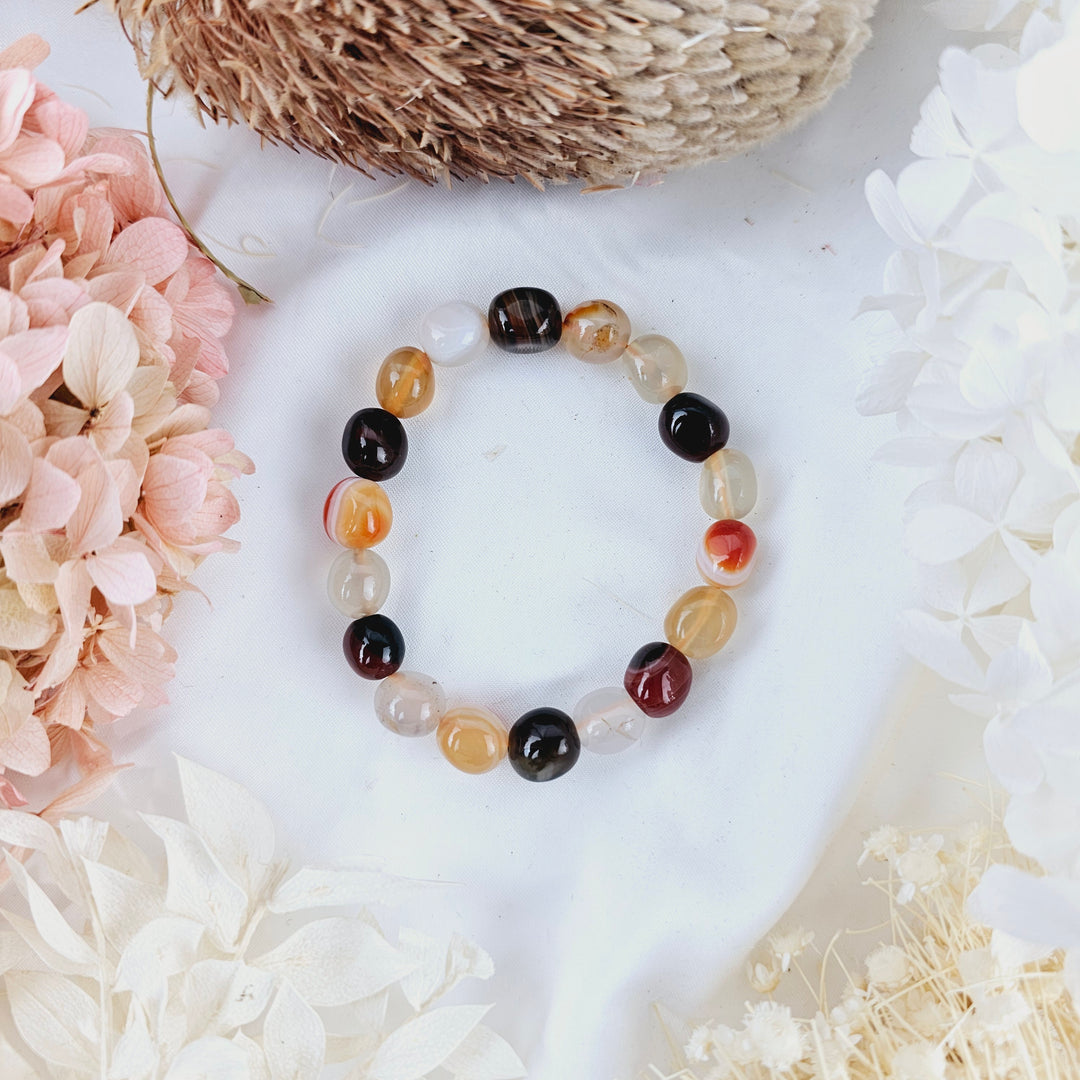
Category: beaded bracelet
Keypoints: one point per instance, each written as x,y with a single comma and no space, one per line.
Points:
545,743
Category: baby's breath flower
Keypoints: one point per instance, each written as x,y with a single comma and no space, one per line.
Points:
790,945
921,867
918,1061
888,967
763,978
775,1036
883,844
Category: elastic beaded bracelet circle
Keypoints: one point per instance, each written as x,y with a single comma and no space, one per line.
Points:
544,743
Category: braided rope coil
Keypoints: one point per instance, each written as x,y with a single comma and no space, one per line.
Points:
550,90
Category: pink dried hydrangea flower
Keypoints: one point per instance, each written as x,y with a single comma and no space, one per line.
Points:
113,486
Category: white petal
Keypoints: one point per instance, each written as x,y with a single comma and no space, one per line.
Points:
937,644
342,887
210,1059
57,1020
424,1043
221,996
125,578
1041,910
294,1039
942,533
159,949
102,354
123,903
483,1055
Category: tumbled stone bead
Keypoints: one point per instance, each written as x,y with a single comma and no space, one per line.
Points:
409,703
374,444
728,485
658,678
405,384
453,334
544,744
726,553
596,332
357,513
358,582
656,367
701,621
608,720
693,427
525,320
472,739
374,646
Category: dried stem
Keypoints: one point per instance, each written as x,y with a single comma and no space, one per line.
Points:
250,294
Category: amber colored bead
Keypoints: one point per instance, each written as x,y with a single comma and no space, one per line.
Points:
544,745
374,646
374,444
405,384
596,332
472,739
525,320
658,678
701,622
693,427
357,513
727,553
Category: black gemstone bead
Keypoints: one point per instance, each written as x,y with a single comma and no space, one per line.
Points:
693,427
544,744
374,646
374,445
525,320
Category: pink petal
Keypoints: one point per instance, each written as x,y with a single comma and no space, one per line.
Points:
98,780
73,455
37,354
52,301
29,51
63,421
102,354
152,314
97,520
124,577
173,489
26,558
120,288
66,706
15,205
125,476
102,164
10,797
63,123
200,390
10,384
16,97
112,426
51,498
136,193
13,314
33,160
153,245
114,691
16,462
27,750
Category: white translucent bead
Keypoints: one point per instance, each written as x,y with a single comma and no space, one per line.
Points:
608,720
454,333
409,703
656,367
728,486
358,583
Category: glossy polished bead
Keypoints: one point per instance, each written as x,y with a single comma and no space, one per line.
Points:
727,552
358,582
596,332
608,720
525,320
405,384
701,621
409,703
374,646
728,485
357,513
693,427
658,678
656,367
453,334
374,444
472,739
544,745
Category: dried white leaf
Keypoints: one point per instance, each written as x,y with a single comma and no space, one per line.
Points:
123,903
221,996
425,1042
484,1055
336,961
211,1058
257,1067
55,1018
294,1039
345,887
439,967
135,1057
158,950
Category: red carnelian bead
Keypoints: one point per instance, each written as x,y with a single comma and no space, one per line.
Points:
658,678
727,552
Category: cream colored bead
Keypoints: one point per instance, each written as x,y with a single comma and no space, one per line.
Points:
596,332
472,739
453,334
656,367
358,582
409,703
728,485
701,621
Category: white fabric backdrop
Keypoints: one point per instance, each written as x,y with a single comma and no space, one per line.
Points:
530,576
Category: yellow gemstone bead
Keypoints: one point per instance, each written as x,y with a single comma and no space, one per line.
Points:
405,384
472,739
596,332
357,513
701,621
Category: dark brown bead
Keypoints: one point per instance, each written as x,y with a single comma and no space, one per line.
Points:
374,646
374,444
658,678
544,744
693,427
525,320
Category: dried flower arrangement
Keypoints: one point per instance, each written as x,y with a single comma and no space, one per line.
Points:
940,997
601,90
113,485
224,962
